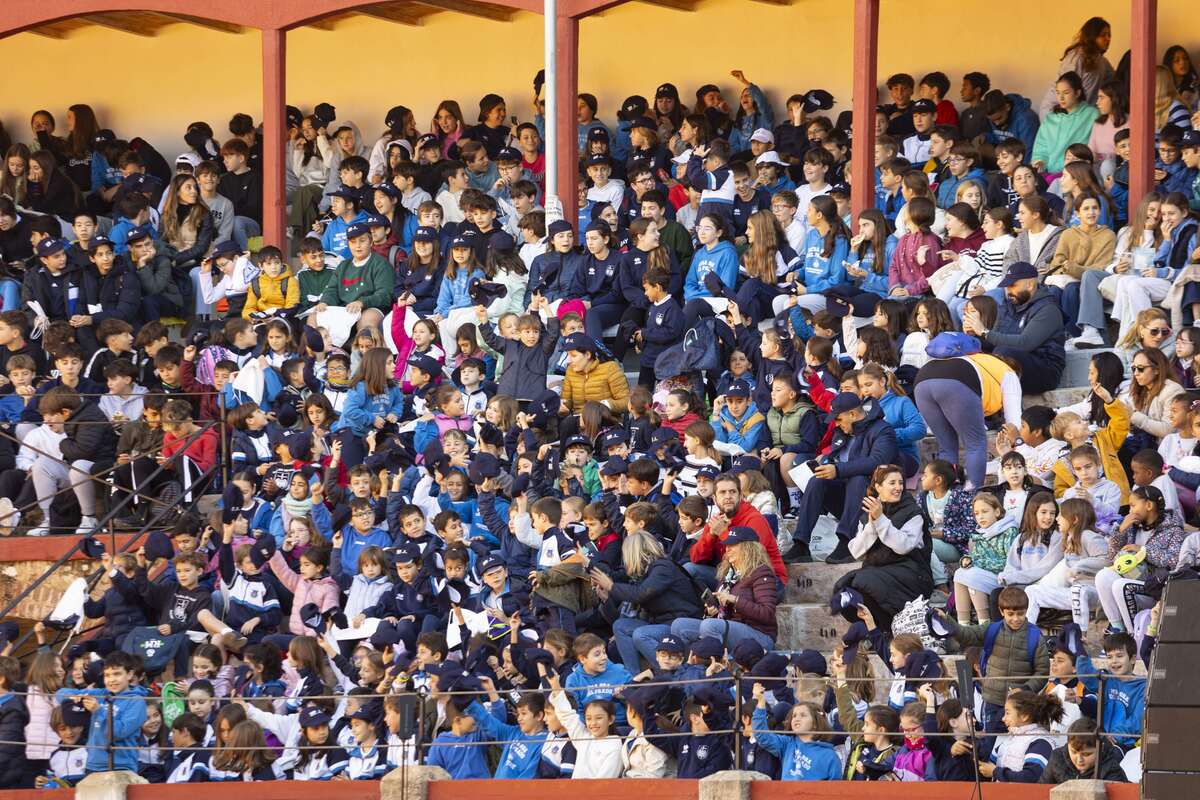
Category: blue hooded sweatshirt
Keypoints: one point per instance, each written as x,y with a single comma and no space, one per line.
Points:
901,413
1023,124
333,240
721,259
948,187
453,292
522,752
822,272
874,282
129,712
587,687
799,761
1124,701
361,409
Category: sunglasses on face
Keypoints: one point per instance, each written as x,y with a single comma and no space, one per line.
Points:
1158,331
1140,368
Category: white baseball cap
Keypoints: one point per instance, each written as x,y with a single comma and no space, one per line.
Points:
763,136
769,157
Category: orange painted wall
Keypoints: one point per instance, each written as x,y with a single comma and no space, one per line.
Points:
156,86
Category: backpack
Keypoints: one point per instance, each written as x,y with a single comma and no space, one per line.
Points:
912,619
283,287
1033,637
206,362
700,350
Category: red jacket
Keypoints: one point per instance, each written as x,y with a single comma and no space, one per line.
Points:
708,549
203,452
680,425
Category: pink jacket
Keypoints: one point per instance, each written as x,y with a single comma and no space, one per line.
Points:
38,730
323,592
405,347
906,271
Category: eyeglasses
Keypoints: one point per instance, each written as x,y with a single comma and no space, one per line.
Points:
1140,368
1158,331
956,159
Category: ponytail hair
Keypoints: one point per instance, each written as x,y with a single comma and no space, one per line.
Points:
1040,709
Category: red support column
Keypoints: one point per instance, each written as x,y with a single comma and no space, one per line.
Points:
866,60
567,122
274,55
1143,46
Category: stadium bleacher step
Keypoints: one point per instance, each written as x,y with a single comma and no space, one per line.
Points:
813,583
808,626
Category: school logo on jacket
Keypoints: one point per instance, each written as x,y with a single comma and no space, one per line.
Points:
151,646
658,319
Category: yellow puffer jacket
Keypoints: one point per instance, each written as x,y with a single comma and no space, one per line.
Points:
1107,441
271,293
602,382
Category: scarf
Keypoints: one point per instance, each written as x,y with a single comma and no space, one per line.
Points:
297,508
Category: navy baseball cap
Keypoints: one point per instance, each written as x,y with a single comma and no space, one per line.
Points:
226,248
579,341
845,401
577,440
313,717
738,388
708,647
1019,271
425,234
378,221
390,190
509,154
614,466
1190,139
50,246
428,140
634,107
923,107
612,438
599,158
708,472
745,463
460,241
483,466
139,233
98,242
740,534
407,554
358,229
670,644
346,193
425,364
490,563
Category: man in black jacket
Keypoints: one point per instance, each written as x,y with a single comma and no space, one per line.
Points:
109,289
90,440
862,441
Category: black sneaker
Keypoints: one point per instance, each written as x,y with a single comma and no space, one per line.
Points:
840,555
798,553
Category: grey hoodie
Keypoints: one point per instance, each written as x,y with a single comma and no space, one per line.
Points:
333,158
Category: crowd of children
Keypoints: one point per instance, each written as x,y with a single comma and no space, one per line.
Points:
452,531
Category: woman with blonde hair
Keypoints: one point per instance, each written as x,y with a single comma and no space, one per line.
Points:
743,607
1169,108
656,586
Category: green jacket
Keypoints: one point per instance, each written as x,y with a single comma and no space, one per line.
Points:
371,284
1009,659
1060,131
312,286
677,239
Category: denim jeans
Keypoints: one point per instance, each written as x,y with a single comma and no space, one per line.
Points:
728,631
637,639
703,573
244,229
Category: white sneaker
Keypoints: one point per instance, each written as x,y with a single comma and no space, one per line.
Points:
87,526
40,530
1088,339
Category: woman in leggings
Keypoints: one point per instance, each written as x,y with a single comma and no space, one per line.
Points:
957,390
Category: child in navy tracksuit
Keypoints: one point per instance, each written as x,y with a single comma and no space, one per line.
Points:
664,323
253,609
412,602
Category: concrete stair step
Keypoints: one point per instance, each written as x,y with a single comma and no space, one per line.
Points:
813,583
808,626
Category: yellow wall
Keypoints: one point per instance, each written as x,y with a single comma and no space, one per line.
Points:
365,66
